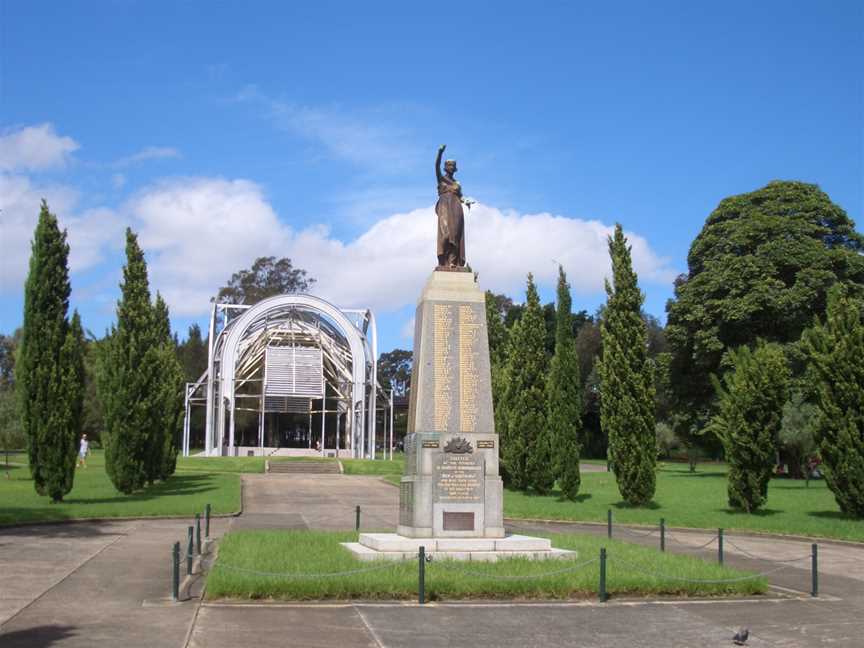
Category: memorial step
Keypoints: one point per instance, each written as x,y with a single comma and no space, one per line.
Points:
303,467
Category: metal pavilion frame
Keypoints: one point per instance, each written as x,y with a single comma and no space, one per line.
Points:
239,336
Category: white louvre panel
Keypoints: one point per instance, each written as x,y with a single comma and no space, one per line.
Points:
294,372
285,404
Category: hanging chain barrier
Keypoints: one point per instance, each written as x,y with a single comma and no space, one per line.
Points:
456,566
771,560
704,581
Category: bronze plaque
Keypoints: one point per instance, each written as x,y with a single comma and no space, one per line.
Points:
486,443
430,444
460,521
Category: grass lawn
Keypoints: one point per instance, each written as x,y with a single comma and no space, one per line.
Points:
377,467
183,494
685,499
310,555
697,500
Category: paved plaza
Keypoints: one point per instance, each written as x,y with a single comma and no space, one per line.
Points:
107,584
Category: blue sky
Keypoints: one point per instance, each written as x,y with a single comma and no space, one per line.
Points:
225,131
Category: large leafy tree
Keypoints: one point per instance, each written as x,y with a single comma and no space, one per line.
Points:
627,380
564,396
49,372
835,349
129,377
751,398
267,277
394,371
526,447
759,269
192,353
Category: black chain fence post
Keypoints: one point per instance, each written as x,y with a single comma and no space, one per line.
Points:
662,534
357,518
603,595
189,549
198,533
609,523
814,569
175,571
421,584
207,521
720,546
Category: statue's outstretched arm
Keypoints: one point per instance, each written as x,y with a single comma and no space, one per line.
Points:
438,161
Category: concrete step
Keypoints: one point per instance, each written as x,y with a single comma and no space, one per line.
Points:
304,467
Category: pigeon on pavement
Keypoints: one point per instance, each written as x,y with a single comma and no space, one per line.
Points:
741,636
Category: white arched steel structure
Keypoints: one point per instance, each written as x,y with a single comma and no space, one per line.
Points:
347,340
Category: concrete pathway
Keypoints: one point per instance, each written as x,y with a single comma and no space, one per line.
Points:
92,584
106,584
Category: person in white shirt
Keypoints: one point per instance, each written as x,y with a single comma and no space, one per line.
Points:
83,451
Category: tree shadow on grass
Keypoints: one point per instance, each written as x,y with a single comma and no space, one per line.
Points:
37,636
689,475
834,515
756,514
581,497
622,505
175,485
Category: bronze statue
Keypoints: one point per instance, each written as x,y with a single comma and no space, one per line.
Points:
451,218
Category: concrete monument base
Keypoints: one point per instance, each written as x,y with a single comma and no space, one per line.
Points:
391,546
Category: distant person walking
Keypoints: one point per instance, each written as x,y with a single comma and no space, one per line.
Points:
83,451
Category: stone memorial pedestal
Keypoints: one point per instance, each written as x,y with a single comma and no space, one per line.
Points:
451,495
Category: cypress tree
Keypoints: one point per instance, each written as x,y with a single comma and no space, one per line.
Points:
751,399
627,386
527,440
49,370
835,350
498,334
564,396
129,379
168,410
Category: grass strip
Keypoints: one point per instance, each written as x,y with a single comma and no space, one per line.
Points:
312,565
93,496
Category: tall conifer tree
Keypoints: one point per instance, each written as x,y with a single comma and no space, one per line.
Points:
49,372
498,335
168,410
627,386
835,349
129,377
526,399
564,396
751,399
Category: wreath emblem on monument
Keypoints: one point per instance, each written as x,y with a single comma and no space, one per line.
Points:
458,445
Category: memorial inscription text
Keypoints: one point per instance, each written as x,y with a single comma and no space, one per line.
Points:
459,478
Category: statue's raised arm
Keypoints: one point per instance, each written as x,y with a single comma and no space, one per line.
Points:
438,161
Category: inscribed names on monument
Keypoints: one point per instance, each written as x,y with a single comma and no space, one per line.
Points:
442,321
469,332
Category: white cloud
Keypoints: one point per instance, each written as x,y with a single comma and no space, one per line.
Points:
368,141
34,148
148,153
90,232
197,232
